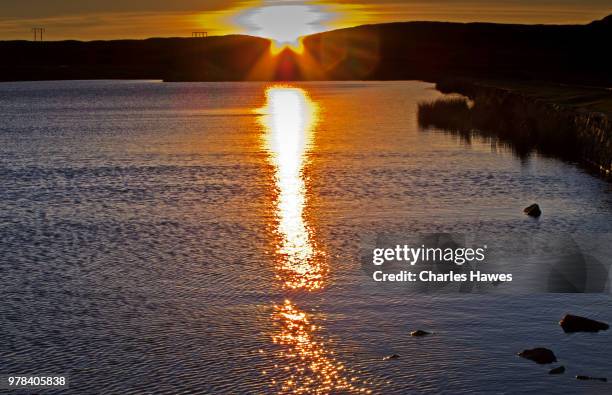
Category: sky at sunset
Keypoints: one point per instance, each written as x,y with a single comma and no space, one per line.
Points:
282,20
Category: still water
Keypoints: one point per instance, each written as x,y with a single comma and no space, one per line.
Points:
206,237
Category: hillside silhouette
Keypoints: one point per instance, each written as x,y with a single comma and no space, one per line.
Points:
432,51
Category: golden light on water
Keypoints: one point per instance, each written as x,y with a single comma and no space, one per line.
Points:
304,363
289,121
310,366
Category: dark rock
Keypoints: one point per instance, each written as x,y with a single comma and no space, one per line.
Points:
389,357
573,323
557,370
579,377
539,355
419,333
533,210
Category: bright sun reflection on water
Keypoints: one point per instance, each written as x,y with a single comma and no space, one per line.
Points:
310,366
305,364
289,121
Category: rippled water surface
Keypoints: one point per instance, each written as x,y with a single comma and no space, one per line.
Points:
205,238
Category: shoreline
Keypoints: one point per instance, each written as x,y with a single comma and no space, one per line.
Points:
565,121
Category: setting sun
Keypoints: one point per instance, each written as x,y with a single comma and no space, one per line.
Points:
285,24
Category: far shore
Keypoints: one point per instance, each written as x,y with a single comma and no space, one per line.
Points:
429,51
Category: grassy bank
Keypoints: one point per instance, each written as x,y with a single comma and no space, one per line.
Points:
571,122
449,114
571,97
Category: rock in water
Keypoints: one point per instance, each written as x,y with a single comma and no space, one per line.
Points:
539,355
557,370
419,333
533,210
389,357
573,323
591,378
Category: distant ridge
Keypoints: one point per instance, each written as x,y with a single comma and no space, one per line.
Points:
405,50
605,21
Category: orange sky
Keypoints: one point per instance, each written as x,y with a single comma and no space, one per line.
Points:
112,19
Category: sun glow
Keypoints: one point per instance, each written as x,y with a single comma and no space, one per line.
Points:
285,24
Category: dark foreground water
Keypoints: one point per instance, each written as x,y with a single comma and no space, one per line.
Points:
205,238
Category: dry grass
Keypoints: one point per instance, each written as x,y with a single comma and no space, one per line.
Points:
451,114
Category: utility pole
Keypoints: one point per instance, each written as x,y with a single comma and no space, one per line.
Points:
199,34
38,33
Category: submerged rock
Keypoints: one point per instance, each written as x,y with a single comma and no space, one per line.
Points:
389,357
557,370
573,323
419,333
533,210
579,377
539,355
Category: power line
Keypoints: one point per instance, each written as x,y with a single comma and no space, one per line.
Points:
38,33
